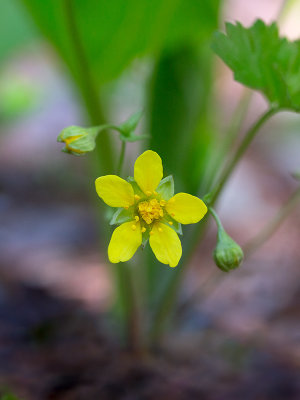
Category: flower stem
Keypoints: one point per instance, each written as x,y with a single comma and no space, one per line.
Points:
216,217
84,78
121,158
231,133
272,225
170,293
128,295
240,152
253,245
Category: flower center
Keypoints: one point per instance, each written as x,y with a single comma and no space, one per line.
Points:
150,210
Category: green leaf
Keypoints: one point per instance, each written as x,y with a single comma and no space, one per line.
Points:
176,226
166,187
262,60
136,187
16,29
114,33
129,126
121,216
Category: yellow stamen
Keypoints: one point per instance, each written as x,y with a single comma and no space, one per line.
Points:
155,193
162,203
137,218
148,193
133,227
143,229
170,223
150,210
137,197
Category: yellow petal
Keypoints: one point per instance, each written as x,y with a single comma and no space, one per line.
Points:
185,208
114,191
148,171
165,244
124,242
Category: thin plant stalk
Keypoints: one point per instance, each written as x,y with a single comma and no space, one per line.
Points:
87,87
130,306
170,293
231,133
250,135
272,226
252,246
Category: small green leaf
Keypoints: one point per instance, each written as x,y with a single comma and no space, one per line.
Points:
262,60
166,187
136,187
121,216
129,126
176,226
145,237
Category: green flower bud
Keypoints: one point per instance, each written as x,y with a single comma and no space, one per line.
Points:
78,140
228,254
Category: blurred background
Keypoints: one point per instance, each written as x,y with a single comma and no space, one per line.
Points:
239,337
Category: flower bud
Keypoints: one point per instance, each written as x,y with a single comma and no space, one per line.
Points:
228,254
78,140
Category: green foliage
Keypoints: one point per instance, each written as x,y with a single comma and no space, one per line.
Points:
80,141
9,396
17,97
262,60
115,32
15,28
129,126
178,115
122,215
166,187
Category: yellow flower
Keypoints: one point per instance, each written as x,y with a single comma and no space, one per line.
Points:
148,209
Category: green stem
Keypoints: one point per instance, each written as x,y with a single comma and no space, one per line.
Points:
121,159
273,225
240,152
232,132
87,87
170,293
128,296
216,217
253,245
